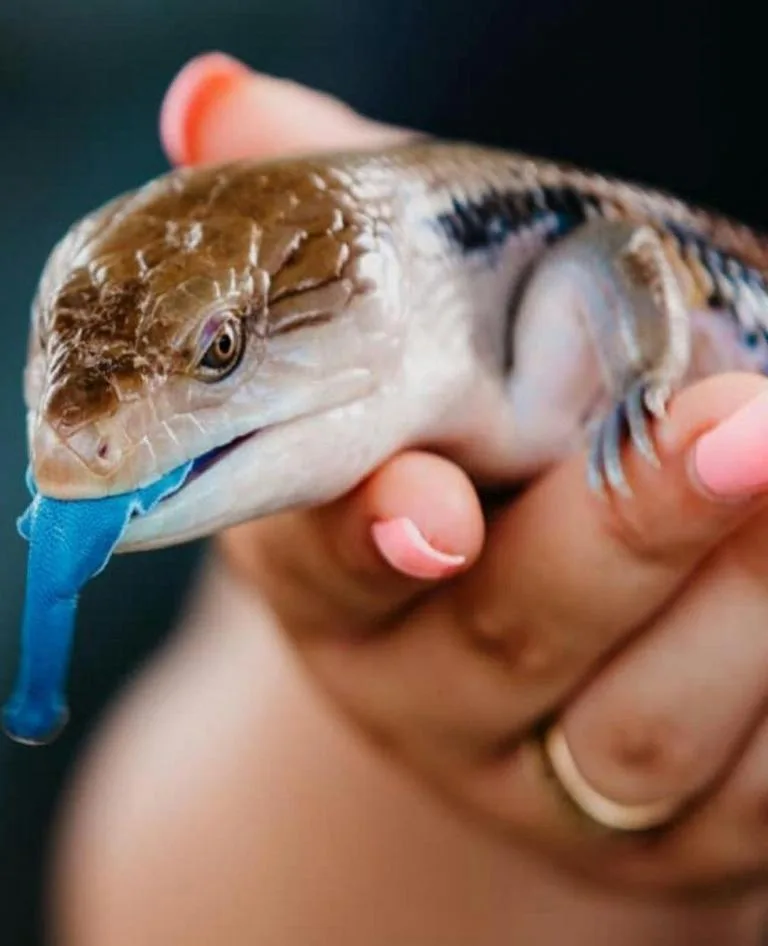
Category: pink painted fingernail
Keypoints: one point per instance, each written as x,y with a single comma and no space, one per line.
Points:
731,461
405,548
196,88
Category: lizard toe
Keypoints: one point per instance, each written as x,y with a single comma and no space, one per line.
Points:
629,420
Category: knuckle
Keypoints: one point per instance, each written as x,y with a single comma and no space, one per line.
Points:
651,748
664,526
539,656
526,649
629,526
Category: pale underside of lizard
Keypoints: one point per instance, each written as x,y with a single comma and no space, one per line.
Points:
290,325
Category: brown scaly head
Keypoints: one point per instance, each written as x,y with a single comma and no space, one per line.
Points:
187,314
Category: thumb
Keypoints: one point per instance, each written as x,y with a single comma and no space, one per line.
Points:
217,109
359,560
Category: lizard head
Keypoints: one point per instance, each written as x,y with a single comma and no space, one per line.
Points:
213,317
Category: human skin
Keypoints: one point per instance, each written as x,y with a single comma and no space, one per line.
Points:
337,744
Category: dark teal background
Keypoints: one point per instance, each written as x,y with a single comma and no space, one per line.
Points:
668,92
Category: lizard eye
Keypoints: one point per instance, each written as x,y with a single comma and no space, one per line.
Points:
223,351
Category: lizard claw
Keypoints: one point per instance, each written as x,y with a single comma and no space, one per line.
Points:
629,417
605,467
644,399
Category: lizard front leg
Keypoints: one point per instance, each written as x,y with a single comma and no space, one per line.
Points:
610,290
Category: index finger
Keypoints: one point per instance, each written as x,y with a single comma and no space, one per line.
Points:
217,109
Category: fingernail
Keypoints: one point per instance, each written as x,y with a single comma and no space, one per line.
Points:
731,461
198,87
402,545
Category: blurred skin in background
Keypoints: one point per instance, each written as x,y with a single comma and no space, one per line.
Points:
229,801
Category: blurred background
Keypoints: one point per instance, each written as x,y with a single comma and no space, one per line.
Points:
669,92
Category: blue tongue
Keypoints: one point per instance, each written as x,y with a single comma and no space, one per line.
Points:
70,541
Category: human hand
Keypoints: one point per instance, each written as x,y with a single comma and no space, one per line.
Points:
639,623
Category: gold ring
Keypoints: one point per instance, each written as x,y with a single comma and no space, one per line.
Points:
604,811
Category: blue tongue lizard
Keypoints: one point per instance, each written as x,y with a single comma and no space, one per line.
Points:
70,541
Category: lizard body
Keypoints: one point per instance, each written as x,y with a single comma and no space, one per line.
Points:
289,325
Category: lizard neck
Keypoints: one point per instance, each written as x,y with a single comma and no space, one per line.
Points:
461,296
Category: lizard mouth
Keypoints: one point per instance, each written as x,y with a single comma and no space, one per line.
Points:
202,502
250,476
204,462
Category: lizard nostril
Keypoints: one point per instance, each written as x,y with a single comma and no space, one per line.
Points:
107,455
102,453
